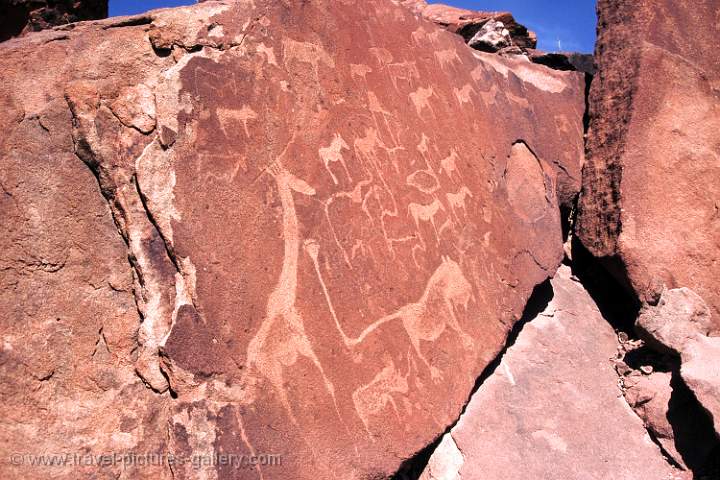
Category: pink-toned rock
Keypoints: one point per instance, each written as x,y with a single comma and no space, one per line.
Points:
416,6
650,185
680,323
678,317
20,17
552,409
318,233
701,372
650,396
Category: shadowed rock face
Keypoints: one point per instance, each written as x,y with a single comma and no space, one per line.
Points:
552,409
650,193
22,16
320,236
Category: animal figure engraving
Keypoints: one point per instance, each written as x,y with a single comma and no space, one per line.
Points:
305,52
281,339
427,319
426,213
449,164
463,94
447,58
227,116
406,72
333,154
421,99
457,201
360,71
373,398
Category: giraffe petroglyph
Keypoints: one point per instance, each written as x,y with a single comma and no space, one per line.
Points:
281,339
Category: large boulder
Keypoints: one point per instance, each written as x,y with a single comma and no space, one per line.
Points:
679,316
283,230
680,324
23,16
487,31
650,187
552,408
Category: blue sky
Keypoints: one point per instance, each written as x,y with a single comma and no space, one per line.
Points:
560,24
131,7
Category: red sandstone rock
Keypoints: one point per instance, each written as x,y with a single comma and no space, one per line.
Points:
251,267
318,233
650,186
552,409
653,385
22,16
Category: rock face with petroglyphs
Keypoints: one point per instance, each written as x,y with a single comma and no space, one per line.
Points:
551,409
651,193
283,230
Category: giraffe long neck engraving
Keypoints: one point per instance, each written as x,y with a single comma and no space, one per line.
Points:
281,339
283,298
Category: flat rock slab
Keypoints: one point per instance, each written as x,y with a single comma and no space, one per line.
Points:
552,409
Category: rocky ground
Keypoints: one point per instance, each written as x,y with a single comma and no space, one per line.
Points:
252,239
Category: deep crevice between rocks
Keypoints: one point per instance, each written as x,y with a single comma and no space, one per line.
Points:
695,439
694,433
412,468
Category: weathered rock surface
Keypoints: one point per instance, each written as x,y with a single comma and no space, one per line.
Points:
680,324
552,409
650,193
652,385
678,318
701,372
650,397
267,228
486,31
22,16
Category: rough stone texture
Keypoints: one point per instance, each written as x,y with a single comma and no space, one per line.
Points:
650,190
678,317
650,396
22,16
680,323
701,372
256,228
492,37
468,23
552,409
